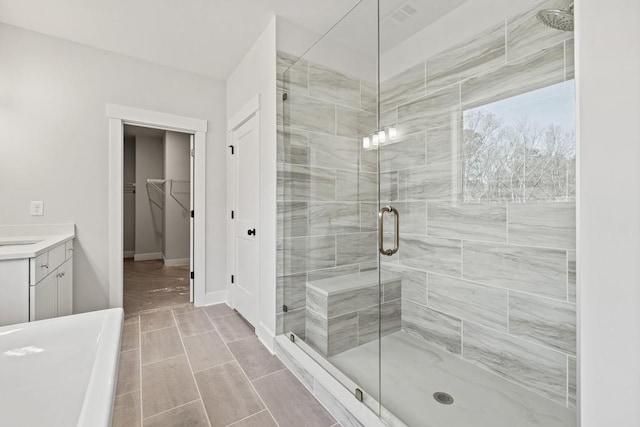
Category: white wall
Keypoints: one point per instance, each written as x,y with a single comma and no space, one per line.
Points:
53,97
176,217
149,208
608,87
129,202
256,75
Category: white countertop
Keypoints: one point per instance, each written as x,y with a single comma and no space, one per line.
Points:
29,241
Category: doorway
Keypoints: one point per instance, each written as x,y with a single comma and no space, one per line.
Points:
157,229
118,117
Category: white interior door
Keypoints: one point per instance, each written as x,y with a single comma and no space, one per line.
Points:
246,235
192,151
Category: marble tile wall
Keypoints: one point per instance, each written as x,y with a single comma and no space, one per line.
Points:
491,282
327,195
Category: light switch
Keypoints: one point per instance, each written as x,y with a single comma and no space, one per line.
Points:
37,208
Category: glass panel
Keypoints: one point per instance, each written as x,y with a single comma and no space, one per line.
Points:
481,167
328,198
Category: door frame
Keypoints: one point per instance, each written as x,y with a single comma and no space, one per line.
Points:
118,116
250,109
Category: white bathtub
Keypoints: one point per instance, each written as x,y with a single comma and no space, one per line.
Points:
60,372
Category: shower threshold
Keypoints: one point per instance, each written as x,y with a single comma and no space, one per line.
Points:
412,371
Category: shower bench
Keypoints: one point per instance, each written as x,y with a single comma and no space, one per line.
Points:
342,312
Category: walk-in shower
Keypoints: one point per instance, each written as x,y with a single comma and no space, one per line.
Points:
426,210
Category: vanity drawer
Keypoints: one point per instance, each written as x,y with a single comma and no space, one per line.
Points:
68,249
56,257
39,268
46,263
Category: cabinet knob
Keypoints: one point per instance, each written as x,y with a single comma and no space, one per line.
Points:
44,266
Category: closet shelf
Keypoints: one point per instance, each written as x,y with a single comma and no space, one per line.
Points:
157,185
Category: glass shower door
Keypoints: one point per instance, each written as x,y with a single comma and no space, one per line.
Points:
426,208
328,278
478,158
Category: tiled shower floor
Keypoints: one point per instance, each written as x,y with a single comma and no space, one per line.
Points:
412,371
205,367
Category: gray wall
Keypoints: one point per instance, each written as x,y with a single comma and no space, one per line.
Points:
149,201
129,197
176,217
54,111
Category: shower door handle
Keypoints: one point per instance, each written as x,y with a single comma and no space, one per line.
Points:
396,231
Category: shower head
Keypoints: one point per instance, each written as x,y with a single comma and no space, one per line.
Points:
560,19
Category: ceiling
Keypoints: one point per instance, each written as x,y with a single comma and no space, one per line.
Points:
399,20
210,37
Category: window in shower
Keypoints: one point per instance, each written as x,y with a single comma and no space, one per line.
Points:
521,149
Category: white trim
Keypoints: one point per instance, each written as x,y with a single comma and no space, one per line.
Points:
199,220
231,206
118,115
156,119
243,114
128,254
151,256
116,222
176,262
266,337
217,297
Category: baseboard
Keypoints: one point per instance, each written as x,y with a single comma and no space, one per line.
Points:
128,254
266,336
147,257
176,262
211,298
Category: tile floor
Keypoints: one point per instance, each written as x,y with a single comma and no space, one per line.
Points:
205,367
149,285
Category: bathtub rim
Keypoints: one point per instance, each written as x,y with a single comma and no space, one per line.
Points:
99,398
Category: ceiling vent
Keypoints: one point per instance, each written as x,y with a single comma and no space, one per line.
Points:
399,16
403,13
409,10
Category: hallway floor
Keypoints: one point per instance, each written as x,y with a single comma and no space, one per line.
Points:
149,285
191,366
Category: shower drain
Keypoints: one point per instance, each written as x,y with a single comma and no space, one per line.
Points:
442,397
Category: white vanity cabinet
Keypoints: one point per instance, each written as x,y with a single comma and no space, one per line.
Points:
14,291
65,289
43,299
36,272
51,283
